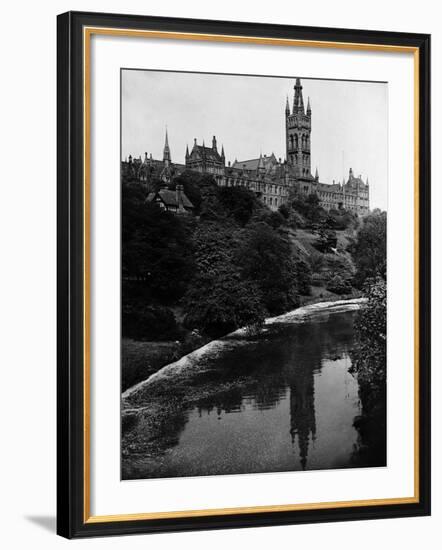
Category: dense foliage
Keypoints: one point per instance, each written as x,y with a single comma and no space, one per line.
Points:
266,260
156,247
369,357
369,253
230,265
219,300
369,249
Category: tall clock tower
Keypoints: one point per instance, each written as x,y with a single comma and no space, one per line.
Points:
298,126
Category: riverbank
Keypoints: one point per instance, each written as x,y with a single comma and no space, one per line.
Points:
194,413
140,359
184,367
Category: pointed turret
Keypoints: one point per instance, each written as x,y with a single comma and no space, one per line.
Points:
261,166
166,152
309,109
287,107
316,174
187,151
223,156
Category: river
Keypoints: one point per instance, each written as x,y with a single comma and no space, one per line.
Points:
283,400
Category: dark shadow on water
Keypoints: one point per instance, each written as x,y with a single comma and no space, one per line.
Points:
48,523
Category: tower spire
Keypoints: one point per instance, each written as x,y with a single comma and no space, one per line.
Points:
166,152
309,109
287,106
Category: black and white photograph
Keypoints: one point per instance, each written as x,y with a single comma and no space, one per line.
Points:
253,274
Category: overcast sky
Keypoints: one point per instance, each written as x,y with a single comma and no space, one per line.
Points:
246,113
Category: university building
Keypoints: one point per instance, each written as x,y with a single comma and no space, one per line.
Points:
272,179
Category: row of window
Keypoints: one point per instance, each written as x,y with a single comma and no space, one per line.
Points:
257,186
272,201
295,141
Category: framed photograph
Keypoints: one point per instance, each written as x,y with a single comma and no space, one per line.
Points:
243,274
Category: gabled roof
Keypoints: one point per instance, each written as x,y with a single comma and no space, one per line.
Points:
208,153
169,198
252,164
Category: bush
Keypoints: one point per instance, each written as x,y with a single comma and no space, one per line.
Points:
339,264
309,207
284,211
371,333
327,240
369,250
149,323
338,285
239,203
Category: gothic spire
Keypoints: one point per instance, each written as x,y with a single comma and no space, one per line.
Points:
298,101
166,151
287,106
309,109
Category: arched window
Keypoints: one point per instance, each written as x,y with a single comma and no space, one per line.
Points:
265,199
296,141
271,201
276,202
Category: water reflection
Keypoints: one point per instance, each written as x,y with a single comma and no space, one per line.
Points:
282,402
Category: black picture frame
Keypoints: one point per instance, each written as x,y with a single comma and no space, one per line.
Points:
72,520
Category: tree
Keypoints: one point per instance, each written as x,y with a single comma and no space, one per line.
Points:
309,207
156,248
218,300
327,240
341,219
369,250
267,260
197,187
240,203
338,285
371,335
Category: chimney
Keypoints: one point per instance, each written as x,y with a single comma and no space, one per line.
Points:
214,143
179,197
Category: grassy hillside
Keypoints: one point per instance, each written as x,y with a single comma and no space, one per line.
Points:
324,266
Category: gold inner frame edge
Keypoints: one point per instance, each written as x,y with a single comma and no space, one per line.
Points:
87,33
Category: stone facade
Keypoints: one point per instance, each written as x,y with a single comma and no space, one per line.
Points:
272,179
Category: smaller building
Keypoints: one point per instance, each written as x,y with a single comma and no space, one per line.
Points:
207,160
172,201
